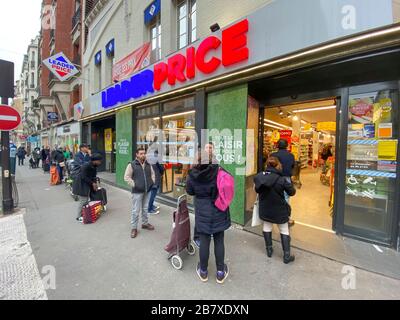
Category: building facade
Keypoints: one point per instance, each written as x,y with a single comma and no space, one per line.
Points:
60,33
161,71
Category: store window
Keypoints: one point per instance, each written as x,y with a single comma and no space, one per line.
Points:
371,164
187,22
174,129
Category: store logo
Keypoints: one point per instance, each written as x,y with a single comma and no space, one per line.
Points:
60,66
181,68
138,86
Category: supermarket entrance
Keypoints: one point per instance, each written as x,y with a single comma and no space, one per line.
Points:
311,132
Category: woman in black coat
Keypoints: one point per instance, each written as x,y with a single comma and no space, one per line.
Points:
273,208
210,221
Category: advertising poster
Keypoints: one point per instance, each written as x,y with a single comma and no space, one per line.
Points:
369,131
361,165
390,166
108,140
361,109
385,130
387,150
362,152
137,60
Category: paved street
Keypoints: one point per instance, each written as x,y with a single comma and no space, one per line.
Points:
101,261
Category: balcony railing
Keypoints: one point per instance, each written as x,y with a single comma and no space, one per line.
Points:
33,64
90,4
76,18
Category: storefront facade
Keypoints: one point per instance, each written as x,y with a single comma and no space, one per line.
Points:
68,135
212,85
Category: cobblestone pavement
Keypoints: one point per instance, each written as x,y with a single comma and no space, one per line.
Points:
19,274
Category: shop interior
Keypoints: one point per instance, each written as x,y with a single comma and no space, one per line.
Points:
310,129
176,131
103,139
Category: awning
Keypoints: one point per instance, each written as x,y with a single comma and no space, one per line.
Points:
152,11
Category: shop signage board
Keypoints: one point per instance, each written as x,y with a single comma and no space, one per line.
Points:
61,66
9,118
52,116
208,58
137,60
362,165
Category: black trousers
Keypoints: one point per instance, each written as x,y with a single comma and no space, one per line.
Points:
219,250
20,161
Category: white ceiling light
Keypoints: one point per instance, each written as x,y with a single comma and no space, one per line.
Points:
272,126
277,124
295,118
304,122
281,126
314,109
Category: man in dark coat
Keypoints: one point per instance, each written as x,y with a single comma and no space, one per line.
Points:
59,159
271,186
86,182
21,153
209,220
139,174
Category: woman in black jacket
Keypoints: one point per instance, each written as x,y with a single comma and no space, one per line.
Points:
273,208
210,221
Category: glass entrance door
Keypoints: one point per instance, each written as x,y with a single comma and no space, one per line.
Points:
371,163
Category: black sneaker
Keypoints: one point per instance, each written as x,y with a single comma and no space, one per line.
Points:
222,275
203,275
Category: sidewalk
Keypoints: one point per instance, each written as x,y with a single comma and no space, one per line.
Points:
101,261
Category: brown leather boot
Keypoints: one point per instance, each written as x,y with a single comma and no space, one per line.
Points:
134,233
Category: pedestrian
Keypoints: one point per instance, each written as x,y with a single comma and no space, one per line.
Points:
158,172
21,153
139,174
271,186
59,160
86,182
288,162
36,157
209,150
67,153
325,155
82,156
209,220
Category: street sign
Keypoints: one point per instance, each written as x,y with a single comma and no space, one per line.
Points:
9,118
52,116
6,79
60,66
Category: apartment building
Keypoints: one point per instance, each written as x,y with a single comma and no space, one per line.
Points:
60,33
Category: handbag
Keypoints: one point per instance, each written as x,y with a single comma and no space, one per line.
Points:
256,221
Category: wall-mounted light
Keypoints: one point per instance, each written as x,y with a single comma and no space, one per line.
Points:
314,109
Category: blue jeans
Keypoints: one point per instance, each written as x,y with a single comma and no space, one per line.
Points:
60,172
153,195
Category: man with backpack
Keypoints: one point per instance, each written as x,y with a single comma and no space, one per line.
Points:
139,174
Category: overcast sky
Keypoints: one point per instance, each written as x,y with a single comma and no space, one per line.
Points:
19,23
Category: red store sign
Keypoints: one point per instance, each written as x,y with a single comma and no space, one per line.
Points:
184,67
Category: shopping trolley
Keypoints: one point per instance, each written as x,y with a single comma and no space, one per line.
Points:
180,237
